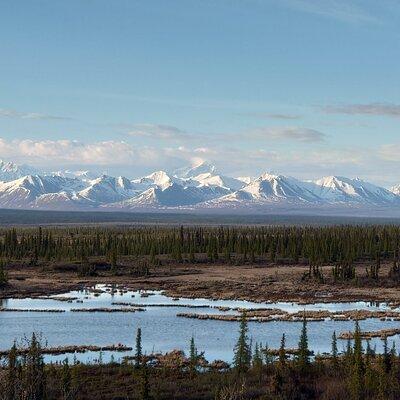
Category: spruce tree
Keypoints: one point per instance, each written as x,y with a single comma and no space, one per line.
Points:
138,354
145,384
334,351
268,357
386,358
303,357
242,357
193,356
66,380
282,352
257,362
11,378
35,378
3,275
357,368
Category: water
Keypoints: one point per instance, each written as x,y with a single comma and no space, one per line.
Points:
162,331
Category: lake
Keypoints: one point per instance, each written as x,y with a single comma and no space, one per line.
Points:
162,330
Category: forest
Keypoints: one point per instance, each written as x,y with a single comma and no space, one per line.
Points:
339,246
257,372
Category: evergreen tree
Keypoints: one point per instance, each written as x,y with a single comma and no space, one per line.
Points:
242,357
145,384
35,379
257,362
386,358
334,351
3,275
113,261
11,378
303,357
193,356
282,352
138,354
357,368
66,380
268,358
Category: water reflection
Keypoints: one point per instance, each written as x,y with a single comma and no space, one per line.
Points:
162,330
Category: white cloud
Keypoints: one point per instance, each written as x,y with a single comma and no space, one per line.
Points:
341,10
68,151
157,131
390,152
375,109
286,133
8,113
125,158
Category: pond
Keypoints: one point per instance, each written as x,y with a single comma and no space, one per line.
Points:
162,330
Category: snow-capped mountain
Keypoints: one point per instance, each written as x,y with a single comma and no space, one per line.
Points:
108,189
174,195
270,188
199,187
80,174
395,189
207,179
157,179
24,192
203,167
340,189
10,171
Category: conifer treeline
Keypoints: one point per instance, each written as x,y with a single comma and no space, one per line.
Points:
358,373
313,245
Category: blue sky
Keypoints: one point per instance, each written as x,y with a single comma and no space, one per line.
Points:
300,87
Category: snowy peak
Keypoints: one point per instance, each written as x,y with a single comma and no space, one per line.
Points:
395,189
203,167
341,189
279,188
22,192
158,179
174,195
271,189
245,179
10,171
79,174
199,187
107,189
226,182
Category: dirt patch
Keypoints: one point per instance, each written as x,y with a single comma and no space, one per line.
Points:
246,282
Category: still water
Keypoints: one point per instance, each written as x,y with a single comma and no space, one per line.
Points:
162,330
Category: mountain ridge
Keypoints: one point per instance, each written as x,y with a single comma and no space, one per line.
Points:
198,187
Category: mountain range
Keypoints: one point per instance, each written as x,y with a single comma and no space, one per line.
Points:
199,187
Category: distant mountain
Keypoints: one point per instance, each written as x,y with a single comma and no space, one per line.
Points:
270,188
336,189
80,174
395,189
26,191
208,179
156,179
10,171
108,189
199,187
195,170
173,195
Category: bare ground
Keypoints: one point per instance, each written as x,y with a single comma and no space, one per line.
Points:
249,282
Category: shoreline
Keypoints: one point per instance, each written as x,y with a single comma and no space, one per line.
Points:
258,284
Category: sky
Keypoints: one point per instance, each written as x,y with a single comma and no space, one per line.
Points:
306,88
